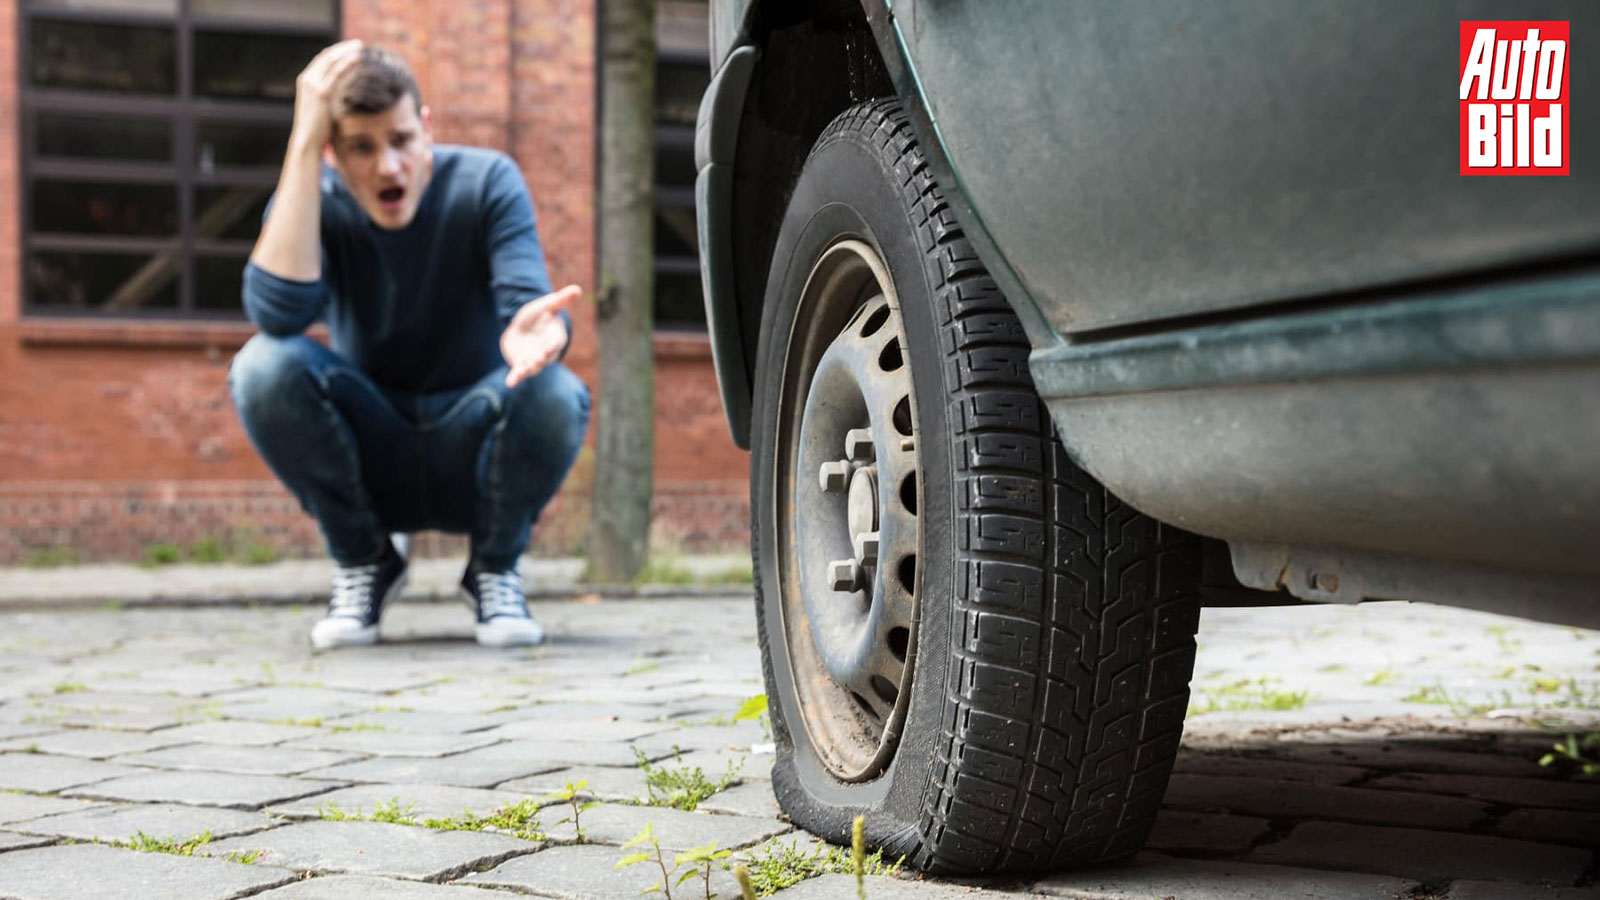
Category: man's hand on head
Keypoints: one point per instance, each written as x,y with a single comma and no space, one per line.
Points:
536,334
313,93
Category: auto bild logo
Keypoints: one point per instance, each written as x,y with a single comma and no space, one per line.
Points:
1514,104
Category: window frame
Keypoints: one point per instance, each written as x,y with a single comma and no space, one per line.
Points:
182,113
675,196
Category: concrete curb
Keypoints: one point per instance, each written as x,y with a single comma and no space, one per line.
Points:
317,598
305,582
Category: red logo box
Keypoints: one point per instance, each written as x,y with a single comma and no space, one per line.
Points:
1516,118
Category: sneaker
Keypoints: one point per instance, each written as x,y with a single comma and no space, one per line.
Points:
359,595
502,612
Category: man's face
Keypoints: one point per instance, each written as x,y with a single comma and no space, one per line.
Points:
386,160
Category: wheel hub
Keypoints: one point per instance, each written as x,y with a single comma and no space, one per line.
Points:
851,531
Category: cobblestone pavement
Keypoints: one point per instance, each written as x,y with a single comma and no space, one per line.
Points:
1373,752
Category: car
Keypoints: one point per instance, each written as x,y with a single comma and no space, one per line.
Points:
1047,322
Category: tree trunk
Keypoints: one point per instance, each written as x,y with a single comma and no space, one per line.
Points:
619,525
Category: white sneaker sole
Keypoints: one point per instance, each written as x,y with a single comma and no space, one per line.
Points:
509,633
339,633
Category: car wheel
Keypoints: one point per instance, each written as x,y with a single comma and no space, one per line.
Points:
966,639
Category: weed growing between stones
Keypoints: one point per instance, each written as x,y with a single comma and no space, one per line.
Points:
390,811
700,861
569,796
1246,694
1581,755
780,865
681,787
520,820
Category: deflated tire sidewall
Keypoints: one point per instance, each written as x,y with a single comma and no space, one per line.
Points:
845,191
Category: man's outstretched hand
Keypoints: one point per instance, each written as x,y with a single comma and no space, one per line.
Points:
536,334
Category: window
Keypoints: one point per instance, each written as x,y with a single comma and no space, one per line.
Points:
153,131
682,73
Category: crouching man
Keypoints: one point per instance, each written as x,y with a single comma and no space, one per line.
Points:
442,403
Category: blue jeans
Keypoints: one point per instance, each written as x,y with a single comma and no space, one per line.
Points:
484,459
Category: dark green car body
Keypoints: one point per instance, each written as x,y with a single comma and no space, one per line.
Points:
1265,306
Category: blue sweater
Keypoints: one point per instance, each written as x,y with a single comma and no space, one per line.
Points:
420,309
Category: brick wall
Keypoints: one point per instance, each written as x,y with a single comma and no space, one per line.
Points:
113,438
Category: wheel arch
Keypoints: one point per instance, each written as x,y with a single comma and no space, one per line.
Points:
796,64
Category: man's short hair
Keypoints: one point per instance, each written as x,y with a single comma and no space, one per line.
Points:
375,84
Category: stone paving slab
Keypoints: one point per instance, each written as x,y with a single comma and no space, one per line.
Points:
10,840
563,753
9,730
120,701
1266,769
303,696
566,709
1372,754
1148,876
360,887
435,801
716,763
462,769
93,743
604,782
377,848
243,760
843,887
1557,826
288,712
395,743
1500,890
584,872
1317,801
406,719
709,737
46,774
1518,791
206,789
1207,832
122,823
596,729
1423,855
126,721
611,823
83,871
753,798
232,731
22,807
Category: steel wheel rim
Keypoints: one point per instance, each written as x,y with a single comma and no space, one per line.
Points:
848,493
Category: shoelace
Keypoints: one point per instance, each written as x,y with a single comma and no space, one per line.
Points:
352,590
500,594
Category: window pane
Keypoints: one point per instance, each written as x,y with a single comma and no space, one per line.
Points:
107,281
218,281
98,137
251,66
150,7
229,213
236,144
287,12
678,300
125,59
675,232
675,162
678,90
85,207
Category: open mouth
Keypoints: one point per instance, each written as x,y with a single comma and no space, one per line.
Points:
390,196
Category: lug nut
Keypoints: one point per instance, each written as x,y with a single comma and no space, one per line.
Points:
835,476
844,575
867,548
858,445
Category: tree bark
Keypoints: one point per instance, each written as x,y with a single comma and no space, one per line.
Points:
619,524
